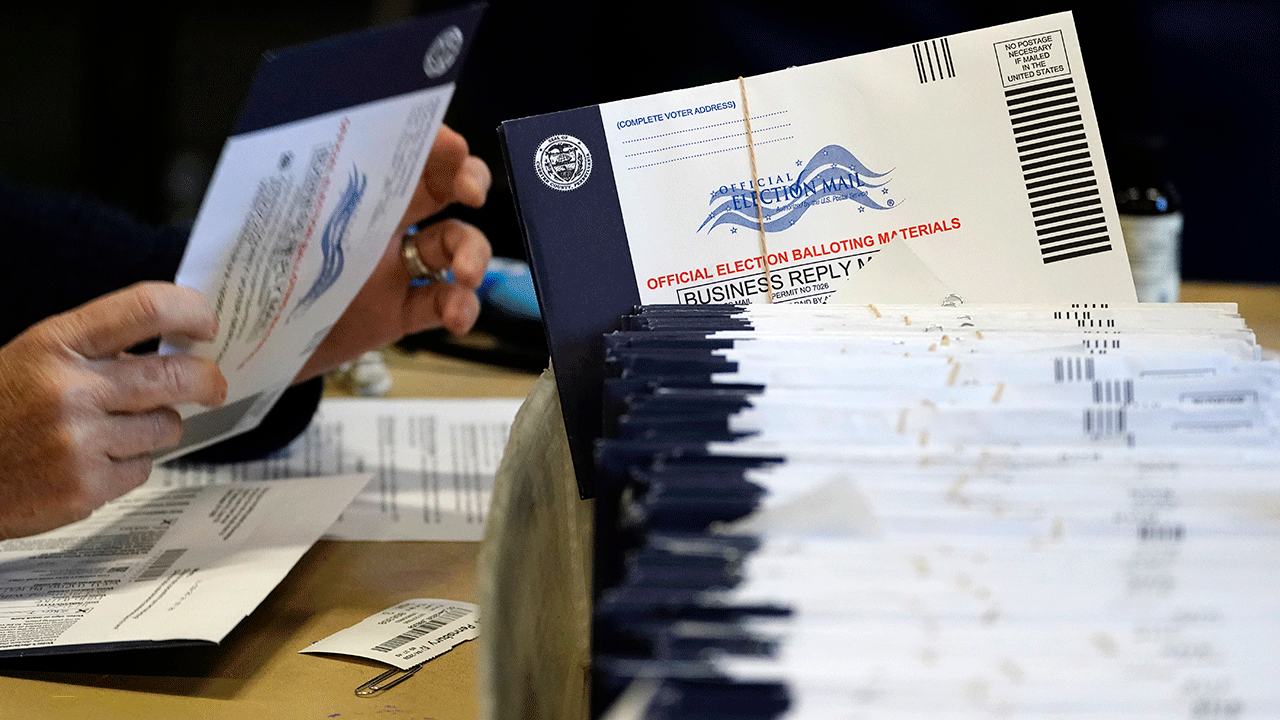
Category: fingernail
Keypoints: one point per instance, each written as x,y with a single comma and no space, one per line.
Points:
477,177
222,395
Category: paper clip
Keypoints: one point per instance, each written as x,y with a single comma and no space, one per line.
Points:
952,300
393,677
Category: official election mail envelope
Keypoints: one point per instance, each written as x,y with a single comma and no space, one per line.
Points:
306,195
978,152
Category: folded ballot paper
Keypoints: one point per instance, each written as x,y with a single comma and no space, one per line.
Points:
917,511
160,567
307,193
976,157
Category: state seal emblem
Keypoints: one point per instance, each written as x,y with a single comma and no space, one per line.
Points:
562,162
443,52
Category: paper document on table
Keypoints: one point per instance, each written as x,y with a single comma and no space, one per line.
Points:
432,461
161,565
306,196
408,634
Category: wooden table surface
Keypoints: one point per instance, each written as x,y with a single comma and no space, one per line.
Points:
1259,304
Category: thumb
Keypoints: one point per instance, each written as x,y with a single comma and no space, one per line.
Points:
113,323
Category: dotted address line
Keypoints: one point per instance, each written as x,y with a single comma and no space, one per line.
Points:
705,154
699,142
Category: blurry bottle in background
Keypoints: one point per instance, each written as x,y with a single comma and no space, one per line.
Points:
1150,218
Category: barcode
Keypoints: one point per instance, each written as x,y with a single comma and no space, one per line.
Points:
1072,369
933,60
161,565
1062,187
1100,347
421,628
1084,319
1104,423
1113,392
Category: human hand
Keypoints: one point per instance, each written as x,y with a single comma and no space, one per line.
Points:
389,307
80,417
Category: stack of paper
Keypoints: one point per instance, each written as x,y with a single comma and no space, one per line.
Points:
912,511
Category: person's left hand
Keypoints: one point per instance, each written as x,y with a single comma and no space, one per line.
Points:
389,307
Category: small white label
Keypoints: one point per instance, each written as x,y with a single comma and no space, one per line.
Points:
407,634
1035,57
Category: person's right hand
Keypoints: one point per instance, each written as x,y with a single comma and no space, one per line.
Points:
80,417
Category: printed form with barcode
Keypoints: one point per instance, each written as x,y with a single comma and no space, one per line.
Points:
161,565
407,634
432,462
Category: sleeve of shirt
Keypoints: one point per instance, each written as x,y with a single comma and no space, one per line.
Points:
63,250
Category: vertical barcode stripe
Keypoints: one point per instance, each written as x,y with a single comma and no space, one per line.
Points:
933,60
1055,139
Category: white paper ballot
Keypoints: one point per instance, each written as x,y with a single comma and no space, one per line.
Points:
289,231
305,199
161,565
432,463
